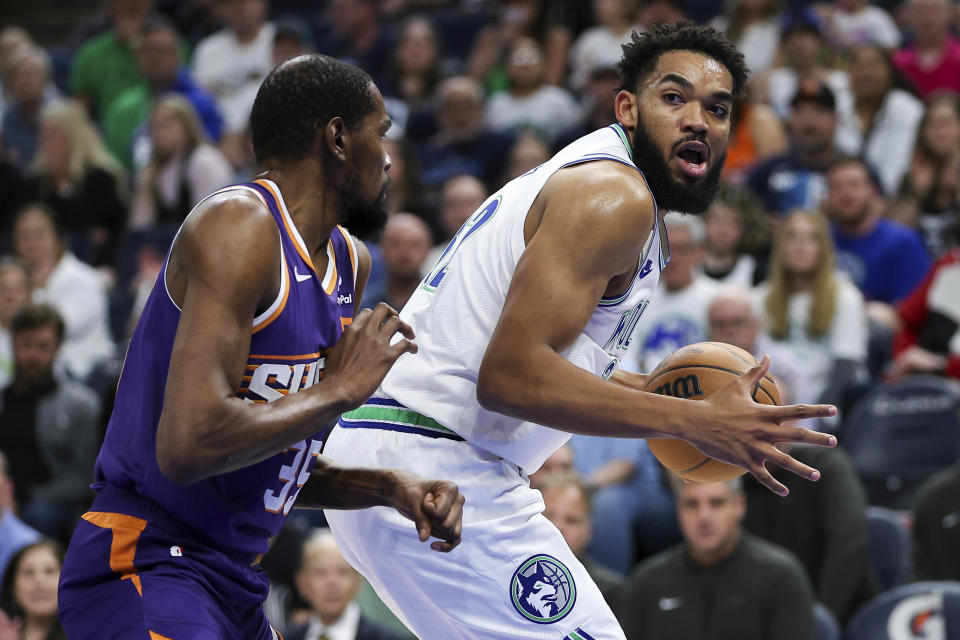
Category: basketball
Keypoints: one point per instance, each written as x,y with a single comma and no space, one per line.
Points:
694,372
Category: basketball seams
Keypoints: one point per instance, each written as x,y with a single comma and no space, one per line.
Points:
758,386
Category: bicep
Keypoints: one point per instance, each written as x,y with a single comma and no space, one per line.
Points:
364,265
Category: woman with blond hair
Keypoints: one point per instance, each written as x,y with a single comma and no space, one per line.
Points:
811,309
183,168
75,175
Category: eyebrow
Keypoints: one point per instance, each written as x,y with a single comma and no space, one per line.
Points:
723,94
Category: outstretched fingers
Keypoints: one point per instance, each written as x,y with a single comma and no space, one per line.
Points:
802,411
765,478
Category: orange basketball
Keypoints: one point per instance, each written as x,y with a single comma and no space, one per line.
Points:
695,372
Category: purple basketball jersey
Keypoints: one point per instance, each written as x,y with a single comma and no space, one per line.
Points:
242,509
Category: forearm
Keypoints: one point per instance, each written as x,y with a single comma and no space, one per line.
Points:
335,487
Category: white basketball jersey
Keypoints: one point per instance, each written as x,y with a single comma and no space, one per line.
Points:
458,304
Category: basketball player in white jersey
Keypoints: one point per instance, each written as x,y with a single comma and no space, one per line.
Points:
521,325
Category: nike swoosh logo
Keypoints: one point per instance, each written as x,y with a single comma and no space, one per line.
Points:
669,604
300,276
647,268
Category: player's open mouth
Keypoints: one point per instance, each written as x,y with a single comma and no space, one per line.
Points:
692,158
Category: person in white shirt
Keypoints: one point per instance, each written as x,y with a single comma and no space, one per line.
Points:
330,586
854,22
679,317
754,26
601,43
726,222
14,295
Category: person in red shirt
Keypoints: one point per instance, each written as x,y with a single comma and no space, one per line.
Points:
932,62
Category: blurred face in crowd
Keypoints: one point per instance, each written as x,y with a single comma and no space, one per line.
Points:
417,49
850,194
941,129
35,238
560,461
325,580
35,582
245,17
34,351
351,17
405,243
462,195
710,515
525,65
461,106
168,133
930,20
611,12
812,127
801,246
28,77
527,153
286,47
158,57
566,507
686,256
600,89
870,75
14,292
54,144
732,321
723,228
802,48
680,112
128,16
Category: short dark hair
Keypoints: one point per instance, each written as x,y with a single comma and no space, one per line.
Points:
299,97
8,603
55,221
37,316
640,55
844,159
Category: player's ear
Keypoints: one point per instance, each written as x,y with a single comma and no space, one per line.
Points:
626,107
335,138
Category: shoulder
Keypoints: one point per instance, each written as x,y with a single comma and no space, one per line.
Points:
98,45
616,191
367,630
664,563
212,44
847,292
774,558
942,484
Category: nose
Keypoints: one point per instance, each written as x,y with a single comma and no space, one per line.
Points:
693,119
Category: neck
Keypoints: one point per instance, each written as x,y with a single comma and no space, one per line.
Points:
329,619
800,282
247,36
863,226
38,628
817,158
158,86
312,203
933,45
399,289
523,92
713,557
678,285
719,261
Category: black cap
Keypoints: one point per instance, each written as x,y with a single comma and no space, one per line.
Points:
295,28
816,92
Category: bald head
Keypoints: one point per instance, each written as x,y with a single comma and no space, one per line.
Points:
732,319
324,578
405,242
462,195
930,20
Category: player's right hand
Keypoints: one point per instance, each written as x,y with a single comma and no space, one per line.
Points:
735,429
364,353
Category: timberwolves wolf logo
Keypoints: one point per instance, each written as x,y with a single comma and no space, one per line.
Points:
542,589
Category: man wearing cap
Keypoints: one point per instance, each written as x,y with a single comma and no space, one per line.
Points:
796,178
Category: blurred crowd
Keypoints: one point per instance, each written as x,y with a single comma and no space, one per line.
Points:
833,246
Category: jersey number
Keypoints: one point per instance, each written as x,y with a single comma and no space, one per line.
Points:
473,223
294,476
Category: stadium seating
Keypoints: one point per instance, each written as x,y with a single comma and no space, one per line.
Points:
900,433
919,611
888,540
825,626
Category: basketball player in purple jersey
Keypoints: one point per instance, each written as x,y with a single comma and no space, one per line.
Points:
248,346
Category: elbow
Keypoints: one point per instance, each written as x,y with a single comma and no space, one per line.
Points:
495,389
173,456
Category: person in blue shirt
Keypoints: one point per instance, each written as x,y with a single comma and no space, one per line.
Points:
15,534
885,259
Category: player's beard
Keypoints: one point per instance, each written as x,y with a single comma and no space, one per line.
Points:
364,219
686,196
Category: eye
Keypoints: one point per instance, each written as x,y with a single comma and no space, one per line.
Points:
719,110
672,98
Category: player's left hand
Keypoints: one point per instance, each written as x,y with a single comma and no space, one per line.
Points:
435,506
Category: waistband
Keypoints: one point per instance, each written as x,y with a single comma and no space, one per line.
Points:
118,499
387,414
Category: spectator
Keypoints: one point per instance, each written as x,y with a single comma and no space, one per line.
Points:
720,582
597,46
12,38
462,144
406,191
75,175
680,316
560,462
50,427
183,168
404,243
14,295
358,36
528,152
885,259
734,320
106,65
936,545
566,503
810,310
460,197
929,340
856,22
756,134
28,600
74,288
330,585
415,73
596,105
232,63
754,26
158,58
795,179
530,101
292,38
803,52
883,125
631,507
516,19
26,83
932,62
15,534
823,524
726,222
930,192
